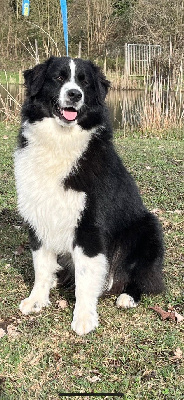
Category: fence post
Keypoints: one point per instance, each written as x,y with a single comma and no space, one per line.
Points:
126,72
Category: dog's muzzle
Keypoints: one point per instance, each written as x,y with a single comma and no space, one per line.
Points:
69,104
74,96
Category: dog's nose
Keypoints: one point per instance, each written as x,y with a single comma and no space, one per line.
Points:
74,95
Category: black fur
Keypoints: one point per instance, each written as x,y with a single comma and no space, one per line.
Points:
116,222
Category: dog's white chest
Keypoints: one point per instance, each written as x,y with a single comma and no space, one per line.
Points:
42,200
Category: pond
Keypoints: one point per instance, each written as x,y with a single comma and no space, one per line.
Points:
126,106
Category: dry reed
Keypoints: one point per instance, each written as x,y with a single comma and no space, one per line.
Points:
10,106
159,110
163,109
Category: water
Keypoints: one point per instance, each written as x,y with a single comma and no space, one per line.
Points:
134,108
126,106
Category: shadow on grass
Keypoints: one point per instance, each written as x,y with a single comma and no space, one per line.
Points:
15,250
15,244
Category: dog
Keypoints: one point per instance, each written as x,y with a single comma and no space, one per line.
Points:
79,201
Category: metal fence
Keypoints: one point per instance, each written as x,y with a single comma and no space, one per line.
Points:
138,58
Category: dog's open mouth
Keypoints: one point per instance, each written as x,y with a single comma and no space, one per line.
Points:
68,114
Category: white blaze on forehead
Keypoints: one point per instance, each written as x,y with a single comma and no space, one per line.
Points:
64,99
72,69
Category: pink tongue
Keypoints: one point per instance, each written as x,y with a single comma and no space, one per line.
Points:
69,115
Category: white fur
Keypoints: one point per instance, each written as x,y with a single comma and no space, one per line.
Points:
110,283
125,301
40,168
72,70
71,84
54,212
45,265
90,276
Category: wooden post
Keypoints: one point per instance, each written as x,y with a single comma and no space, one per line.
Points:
80,49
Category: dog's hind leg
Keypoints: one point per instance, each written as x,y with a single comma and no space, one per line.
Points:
130,298
125,301
146,275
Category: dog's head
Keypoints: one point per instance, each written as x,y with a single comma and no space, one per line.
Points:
71,88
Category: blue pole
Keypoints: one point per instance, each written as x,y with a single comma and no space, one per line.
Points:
25,8
65,23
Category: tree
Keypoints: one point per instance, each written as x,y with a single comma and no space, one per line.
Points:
160,22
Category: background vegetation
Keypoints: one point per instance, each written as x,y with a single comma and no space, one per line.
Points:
99,29
101,26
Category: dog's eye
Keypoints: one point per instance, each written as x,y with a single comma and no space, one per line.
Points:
82,78
60,78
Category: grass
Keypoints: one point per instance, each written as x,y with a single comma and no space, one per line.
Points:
131,351
10,77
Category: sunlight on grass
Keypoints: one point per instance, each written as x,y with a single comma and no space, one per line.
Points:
131,351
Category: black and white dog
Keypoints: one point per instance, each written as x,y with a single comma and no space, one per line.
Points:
77,197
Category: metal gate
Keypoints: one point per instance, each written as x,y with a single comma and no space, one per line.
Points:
138,58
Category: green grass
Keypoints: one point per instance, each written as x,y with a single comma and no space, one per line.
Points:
9,77
131,351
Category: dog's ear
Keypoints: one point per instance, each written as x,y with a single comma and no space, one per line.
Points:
101,83
104,84
34,78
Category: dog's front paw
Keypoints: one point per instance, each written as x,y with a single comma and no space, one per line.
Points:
32,304
84,322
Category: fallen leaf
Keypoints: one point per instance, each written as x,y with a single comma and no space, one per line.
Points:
20,250
35,360
164,314
3,328
17,227
62,304
2,332
78,373
93,379
165,223
12,331
156,211
179,317
178,354
94,371
173,315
